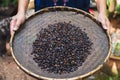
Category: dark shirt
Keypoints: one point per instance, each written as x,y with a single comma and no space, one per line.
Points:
80,4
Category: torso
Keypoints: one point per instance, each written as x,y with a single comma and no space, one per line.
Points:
80,4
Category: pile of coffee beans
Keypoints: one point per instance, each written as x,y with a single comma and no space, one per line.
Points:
61,48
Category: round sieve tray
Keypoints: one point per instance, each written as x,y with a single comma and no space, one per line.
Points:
22,40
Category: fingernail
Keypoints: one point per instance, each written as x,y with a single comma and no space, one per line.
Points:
105,28
14,28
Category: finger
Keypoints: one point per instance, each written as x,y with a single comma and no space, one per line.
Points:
17,25
105,24
12,25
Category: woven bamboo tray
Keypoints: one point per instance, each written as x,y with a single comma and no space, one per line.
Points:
21,41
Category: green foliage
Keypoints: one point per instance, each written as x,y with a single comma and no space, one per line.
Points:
108,3
101,76
113,78
8,2
118,9
110,78
106,76
117,46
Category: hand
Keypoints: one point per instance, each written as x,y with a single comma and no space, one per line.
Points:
104,21
16,22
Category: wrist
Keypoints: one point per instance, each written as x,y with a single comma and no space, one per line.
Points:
102,14
101,6
21,13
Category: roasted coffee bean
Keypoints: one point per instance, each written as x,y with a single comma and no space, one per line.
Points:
61,48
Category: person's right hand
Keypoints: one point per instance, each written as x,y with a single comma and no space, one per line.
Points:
16,21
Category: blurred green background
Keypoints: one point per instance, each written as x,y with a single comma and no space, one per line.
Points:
4,3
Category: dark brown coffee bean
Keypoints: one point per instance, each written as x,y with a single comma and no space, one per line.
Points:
61,48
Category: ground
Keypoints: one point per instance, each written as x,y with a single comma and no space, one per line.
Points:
10,71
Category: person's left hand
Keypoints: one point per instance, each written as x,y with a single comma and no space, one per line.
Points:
106,23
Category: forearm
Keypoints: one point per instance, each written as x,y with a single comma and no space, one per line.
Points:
101,6
22,6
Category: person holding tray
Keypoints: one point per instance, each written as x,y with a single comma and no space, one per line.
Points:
20,17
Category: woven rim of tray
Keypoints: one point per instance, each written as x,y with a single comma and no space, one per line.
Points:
64,9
